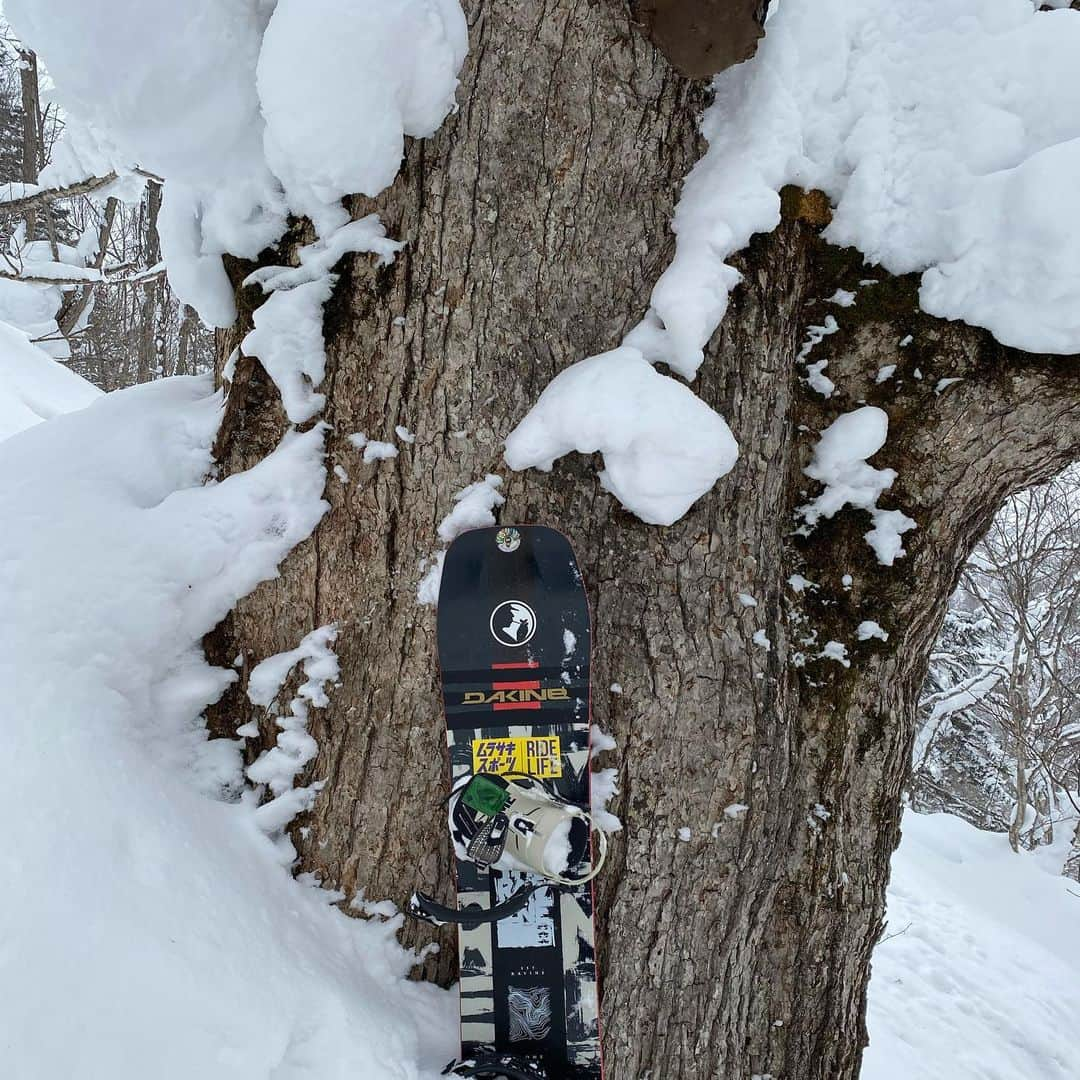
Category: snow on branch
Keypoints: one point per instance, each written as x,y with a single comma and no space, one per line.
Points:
947,134
16,198
272,136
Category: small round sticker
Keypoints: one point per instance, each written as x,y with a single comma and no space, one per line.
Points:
508,539
512,623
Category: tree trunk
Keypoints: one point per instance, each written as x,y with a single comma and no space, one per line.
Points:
185,349
149,352
31,129
536,222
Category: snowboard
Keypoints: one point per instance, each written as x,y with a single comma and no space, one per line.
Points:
513,636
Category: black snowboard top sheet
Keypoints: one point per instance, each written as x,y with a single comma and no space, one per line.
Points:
513,627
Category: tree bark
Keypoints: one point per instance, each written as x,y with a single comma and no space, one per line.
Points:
148,338
536,222
31,130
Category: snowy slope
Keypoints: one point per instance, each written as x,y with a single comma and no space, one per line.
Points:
33,386
982,980
149,928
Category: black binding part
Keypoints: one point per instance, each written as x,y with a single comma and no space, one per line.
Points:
491,1066
422,907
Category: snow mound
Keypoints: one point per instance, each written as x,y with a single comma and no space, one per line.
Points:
663,446
182,946
946,132
982,978
249,109
313,141
33,386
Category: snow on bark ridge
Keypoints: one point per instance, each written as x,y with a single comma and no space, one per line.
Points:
474,508
839,463
279,766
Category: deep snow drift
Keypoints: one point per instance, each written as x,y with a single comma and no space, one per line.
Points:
33,386
978,974
150,929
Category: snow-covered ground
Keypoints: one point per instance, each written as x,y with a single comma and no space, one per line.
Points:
34,386
978,975
151,927
148,926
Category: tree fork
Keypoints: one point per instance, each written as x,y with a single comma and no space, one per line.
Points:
536,221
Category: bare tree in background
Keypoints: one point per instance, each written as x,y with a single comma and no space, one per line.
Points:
125,326
1004,699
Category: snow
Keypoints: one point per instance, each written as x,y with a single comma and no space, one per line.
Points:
373,449
886,371
869,629
747,600
32,305
473,508
336,125
427,589
183,946
404,434
761,639
663,446
33,386
616,688
839,463
248,109
946,133
735,810
978,974
835,650
318,258
603,783
684,834
600,740
288,340
800,584
814,336
842,298
314,652
556,854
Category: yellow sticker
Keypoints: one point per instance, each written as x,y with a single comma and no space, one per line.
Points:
539,755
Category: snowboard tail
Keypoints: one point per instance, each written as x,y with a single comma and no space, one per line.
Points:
513,630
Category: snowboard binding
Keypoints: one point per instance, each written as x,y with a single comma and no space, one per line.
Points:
490,1064
515,822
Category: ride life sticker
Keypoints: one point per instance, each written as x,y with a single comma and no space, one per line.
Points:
539,755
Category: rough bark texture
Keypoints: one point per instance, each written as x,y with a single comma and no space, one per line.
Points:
537,221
